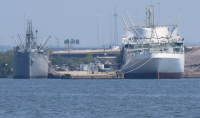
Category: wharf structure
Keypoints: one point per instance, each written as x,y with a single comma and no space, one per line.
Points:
85,75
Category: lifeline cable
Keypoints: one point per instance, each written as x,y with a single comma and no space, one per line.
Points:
138,66
133,64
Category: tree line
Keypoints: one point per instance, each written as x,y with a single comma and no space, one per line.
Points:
60,60
6,64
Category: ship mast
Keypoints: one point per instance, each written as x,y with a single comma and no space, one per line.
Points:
150,16
28,35
36,31
30,39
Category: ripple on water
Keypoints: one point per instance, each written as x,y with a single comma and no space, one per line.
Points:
99,98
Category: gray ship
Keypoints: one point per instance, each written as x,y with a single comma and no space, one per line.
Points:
30,60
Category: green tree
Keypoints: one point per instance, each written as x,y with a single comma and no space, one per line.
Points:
6,63
59,60
88,59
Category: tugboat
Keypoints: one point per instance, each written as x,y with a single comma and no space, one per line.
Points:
30,60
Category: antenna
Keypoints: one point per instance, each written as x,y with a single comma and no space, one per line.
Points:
115,27
110,30
98,30
136,14
159,12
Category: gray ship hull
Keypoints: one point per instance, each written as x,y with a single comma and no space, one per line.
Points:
30,65
150,66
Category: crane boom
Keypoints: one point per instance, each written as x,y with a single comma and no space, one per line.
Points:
45,41
125,23
175,25
134,27
21,41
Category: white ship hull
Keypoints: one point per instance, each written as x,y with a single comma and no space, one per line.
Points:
157,65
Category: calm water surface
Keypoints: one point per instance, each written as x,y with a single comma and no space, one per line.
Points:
59,98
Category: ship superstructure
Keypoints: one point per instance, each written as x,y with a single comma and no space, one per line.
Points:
30,60
151,50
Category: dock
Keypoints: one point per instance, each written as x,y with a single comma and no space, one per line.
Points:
191,75
85,75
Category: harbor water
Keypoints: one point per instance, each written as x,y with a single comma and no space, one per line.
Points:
49,98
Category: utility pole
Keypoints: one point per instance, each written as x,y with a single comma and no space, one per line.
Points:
115,28
159,12
58,42
110,30
98,30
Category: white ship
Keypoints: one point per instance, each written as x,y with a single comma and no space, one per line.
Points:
151,50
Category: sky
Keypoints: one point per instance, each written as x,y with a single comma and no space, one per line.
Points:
77,19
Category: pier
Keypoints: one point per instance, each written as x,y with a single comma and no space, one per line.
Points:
85,75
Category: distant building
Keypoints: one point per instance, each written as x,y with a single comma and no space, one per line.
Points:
84,67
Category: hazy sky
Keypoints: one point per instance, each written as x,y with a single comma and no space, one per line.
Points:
78,18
